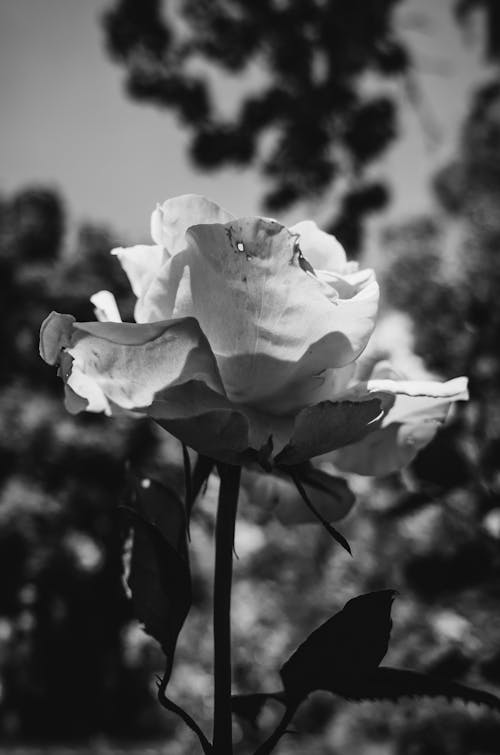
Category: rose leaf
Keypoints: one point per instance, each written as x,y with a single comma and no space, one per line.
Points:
159,576
349,645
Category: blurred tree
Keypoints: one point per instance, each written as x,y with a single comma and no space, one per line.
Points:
435,534
37,224
492,12
453,256
63,612
444,271
321,111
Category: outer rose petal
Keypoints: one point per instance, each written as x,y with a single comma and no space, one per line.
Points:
141,264
106,308
55,334
165,370
271,325
213,426
350,284
420,408
130,365
170,221
321,249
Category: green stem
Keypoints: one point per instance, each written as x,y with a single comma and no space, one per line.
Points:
269,745
224,540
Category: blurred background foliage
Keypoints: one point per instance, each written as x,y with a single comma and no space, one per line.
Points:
74,666
313,108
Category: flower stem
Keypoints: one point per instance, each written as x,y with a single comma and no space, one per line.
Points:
269,745
224,540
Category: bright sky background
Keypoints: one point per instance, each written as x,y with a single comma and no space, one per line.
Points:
65,121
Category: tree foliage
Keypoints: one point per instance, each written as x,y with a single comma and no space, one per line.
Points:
444,270
308,123
74,664
63,612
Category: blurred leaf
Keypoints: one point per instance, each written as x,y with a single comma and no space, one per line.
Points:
159,577
394,684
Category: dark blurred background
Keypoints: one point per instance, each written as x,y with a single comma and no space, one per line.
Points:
379,119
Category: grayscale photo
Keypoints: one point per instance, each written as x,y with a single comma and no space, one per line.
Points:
250,377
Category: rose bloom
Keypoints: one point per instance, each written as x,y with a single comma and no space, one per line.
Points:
246,347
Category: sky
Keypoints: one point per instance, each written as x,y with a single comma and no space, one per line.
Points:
65,120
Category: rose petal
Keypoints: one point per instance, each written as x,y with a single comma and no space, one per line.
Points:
414,398
219,434
321,249
349,285
270,324
419,410
55,334
310,384
386,450
130,364
164,370
106,308
141,264
170,221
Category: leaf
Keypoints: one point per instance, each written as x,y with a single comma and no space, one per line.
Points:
393,684
320,480
350,644
204,420
275,492
330,495
329,425
159,577
337,536
202,470
343,655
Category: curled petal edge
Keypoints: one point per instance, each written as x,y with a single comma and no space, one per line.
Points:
418,412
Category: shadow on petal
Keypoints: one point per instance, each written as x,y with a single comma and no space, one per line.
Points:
212,425
221,434
280,386
269,323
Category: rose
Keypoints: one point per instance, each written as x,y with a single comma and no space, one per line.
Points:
246,341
